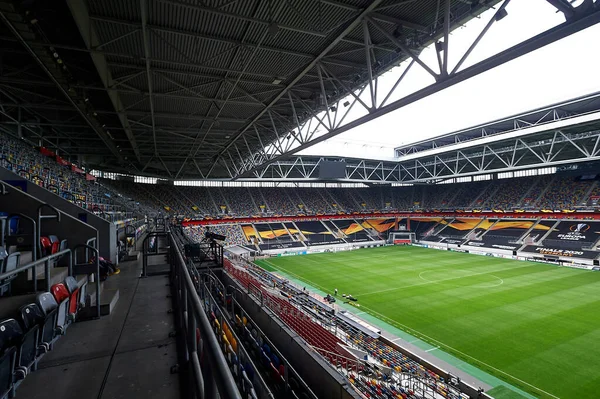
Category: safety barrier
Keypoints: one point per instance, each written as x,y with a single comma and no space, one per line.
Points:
211,374
46,261
89,268
150,248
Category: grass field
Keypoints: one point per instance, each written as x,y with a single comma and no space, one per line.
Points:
533,325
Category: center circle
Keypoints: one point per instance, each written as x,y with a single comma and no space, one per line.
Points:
453,277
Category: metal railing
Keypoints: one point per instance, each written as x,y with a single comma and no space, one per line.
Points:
47,262
89,268
148,250
211,376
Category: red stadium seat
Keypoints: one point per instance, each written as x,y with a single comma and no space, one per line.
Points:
60,292
45,246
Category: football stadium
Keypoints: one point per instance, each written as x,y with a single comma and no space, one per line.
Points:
265,199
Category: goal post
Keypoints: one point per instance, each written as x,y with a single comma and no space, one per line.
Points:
402,238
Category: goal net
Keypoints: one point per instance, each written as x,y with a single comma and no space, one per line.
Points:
402,238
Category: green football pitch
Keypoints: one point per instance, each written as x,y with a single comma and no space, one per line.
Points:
535,326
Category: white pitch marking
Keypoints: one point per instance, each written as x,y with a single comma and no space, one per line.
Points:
432,349
459,277
438,281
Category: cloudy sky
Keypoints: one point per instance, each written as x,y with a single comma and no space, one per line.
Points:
560,71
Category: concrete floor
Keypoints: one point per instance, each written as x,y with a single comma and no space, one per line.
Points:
127,354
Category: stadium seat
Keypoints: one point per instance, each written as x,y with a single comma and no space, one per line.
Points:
44,313
25,344
45,246
7,366
63,297
55,243
74,300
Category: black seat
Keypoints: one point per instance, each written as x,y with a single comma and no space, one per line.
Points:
18,354
31,317
7,367
49,307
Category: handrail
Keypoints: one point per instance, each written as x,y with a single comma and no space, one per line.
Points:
42,216
96,271
192,312
145,254
93,243
46,261
4,190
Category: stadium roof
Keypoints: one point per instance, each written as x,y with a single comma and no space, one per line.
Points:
588,106
194,89
566,133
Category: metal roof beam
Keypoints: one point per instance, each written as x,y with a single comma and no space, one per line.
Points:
196,74
550,36
80,14
563,6
349,28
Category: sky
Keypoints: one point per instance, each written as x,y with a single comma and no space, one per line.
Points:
557,72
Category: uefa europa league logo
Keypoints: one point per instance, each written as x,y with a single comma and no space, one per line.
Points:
579,228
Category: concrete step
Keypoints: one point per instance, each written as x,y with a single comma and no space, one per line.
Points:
108,299
132,256
24,282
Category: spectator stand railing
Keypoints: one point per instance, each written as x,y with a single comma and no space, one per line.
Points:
160,224
131,234
150,247
41,217
91,243
47,261
342,363
202,354
88,267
